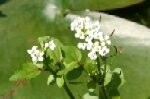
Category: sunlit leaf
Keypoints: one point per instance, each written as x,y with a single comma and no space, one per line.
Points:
50,80
27,71
71,53
68,67
60,81
56,54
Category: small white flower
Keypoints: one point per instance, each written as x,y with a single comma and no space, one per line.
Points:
46,45
50,45
104,51
99,35
77,24
106,38
94,39
88,38
89,45
92,55
34,48
108,42
81,46
102,43
36,55
96,26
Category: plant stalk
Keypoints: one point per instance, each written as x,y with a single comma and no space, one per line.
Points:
68,91
66,88
102,90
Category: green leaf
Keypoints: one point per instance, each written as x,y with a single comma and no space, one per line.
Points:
71,65
74,73
50,80
56,54
71,53
60,81
91,86
78,5
90,66
121,75
72,56
116,81
68,67
27,71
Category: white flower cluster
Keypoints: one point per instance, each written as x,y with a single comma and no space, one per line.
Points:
37,55
50,45
95,40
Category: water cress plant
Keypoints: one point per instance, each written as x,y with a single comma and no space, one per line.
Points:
59,60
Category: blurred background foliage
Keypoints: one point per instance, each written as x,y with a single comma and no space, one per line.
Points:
22,22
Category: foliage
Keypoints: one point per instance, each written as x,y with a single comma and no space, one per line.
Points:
65,62
25,32
28,71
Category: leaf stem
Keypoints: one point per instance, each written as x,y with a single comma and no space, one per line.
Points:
69,93
65,86
102,90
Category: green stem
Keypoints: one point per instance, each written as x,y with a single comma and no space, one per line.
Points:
67,90
98,66
102,90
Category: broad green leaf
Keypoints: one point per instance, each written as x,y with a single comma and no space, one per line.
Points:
74,73
121,75
27,71
71,65
116,81
71,53
60,81
77,5
90,66
72,57
91,86
68,67
56,54
50,80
